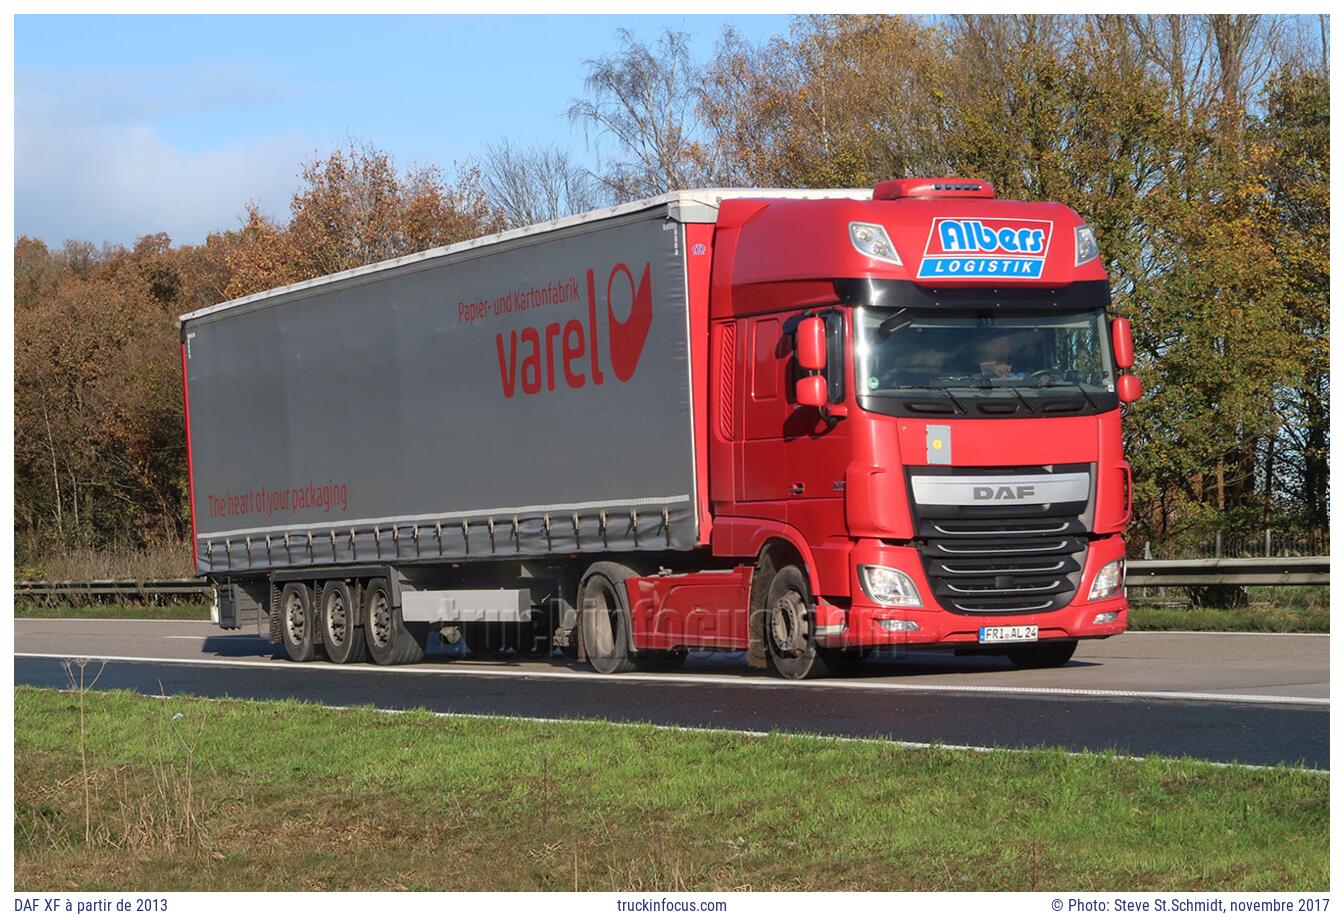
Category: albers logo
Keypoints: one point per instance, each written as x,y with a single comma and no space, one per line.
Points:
984,247
543,350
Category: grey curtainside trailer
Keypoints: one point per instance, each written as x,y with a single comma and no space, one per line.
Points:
461,404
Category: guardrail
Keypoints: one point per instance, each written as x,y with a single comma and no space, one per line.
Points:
145,589
1199,573
1140,573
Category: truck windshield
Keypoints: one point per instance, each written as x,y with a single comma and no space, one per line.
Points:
900,350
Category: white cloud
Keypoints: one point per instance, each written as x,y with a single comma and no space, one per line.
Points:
91,163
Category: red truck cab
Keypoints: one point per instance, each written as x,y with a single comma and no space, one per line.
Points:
914,402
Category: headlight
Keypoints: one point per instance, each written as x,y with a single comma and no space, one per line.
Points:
889,587
873,242
1109,582
1084,244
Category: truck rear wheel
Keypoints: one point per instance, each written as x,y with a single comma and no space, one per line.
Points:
341,636
390,639
604,617
790,638
298,625
1046,655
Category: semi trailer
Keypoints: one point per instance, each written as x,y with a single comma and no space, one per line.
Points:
803,424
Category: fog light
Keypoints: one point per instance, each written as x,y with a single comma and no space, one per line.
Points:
889,587
1109,616
1109,581
873,242
898,625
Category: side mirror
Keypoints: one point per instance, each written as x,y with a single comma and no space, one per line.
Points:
811,346
812,391
1123,339
1128,388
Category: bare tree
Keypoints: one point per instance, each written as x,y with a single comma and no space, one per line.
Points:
536,184
643,100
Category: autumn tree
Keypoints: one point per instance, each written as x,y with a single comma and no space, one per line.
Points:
355,207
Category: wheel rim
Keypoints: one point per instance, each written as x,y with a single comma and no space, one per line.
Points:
380,620
296,623
788,624
337,618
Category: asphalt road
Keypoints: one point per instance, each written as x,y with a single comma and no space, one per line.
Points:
1260,699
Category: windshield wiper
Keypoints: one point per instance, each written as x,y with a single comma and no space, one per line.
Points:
1070,383
931,388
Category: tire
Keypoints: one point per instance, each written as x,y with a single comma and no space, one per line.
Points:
604,617
298,625
1048,655
390,640
790,642
342,637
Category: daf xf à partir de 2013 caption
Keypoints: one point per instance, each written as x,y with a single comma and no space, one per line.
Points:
802,424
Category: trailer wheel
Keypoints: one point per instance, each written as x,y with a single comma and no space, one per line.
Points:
341,636
604,617
390,639
790,641
1047,655
298,625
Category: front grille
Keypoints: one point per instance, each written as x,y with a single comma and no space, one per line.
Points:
994,566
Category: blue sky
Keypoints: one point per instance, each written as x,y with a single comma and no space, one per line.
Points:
126,125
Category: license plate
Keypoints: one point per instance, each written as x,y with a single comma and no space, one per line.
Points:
1008,634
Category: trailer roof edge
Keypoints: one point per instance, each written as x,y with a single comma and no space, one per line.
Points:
679,204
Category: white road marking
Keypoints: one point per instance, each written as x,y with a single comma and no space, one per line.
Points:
718,680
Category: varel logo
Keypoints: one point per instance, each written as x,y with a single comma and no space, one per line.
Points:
1002,493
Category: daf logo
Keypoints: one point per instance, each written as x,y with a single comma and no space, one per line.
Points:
1002,493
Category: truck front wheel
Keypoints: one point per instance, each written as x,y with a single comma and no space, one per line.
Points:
790,637
605,617
390,639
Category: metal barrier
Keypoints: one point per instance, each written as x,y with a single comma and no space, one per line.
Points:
129,587
1198,573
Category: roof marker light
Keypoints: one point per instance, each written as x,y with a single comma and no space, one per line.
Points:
872,241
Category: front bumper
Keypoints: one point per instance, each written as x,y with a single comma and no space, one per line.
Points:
860,625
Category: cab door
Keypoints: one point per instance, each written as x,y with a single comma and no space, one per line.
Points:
764,473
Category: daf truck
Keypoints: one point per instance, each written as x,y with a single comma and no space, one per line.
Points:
803,424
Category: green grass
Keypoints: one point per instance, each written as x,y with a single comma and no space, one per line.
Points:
258,795
1244,619
118,612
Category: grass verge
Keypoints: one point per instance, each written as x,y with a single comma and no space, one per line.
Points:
1244,619
218,794
118,612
